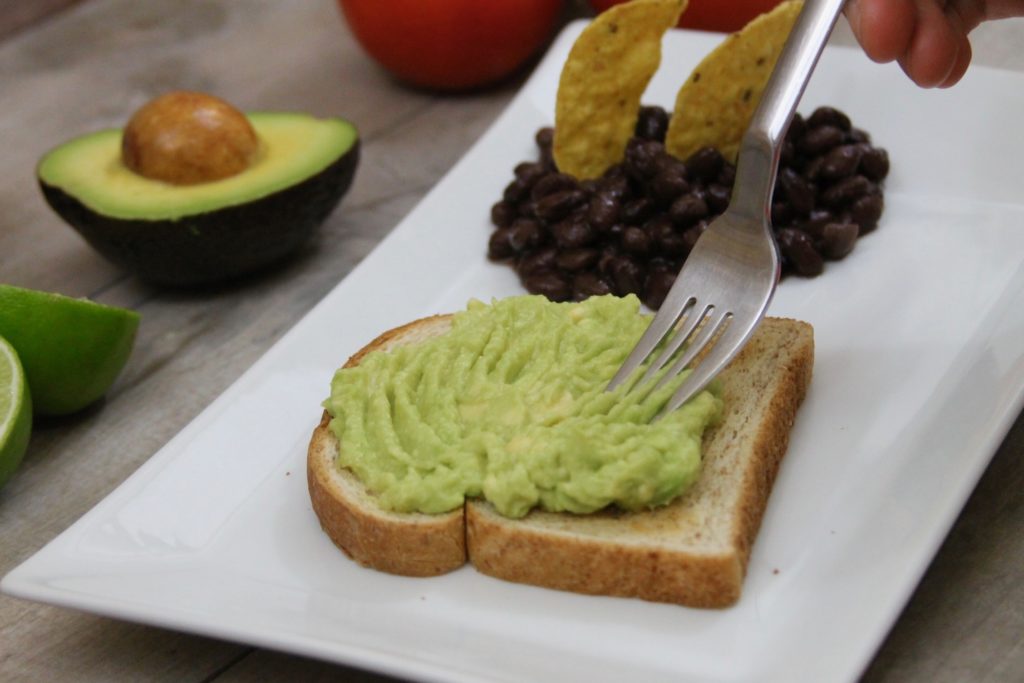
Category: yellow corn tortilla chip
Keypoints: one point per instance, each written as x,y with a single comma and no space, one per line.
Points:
602,81
715,105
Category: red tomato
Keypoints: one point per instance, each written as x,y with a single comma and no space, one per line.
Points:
711,15
451,44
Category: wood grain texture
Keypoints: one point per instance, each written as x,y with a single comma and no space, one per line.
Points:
89,67
21,15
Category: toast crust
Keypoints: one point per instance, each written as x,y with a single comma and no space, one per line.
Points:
692,552
576,562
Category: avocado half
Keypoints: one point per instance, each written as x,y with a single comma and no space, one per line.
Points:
210,232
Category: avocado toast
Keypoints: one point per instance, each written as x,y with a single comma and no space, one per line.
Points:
692,551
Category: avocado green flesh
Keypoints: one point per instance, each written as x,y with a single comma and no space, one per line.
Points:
293,147
510,406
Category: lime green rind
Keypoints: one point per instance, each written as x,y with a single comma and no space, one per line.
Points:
294,147
14,435
65,346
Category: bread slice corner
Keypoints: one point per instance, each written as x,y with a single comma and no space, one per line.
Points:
409,544
695,550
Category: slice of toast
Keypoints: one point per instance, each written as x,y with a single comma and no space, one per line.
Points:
693,551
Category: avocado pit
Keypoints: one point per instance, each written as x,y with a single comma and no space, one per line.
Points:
185,138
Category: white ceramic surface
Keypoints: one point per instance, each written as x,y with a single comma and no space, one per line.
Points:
919,373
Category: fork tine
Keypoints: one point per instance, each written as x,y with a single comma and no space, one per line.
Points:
725,348
700,341
691,319
656,331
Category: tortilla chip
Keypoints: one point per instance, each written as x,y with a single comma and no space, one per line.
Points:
715,105
603,78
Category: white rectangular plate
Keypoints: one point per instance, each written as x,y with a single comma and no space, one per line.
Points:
919,374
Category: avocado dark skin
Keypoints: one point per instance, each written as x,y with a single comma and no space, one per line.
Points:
219,245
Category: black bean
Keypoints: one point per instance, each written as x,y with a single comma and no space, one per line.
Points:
727,176
573,260
503,213
782,213
636,211
666,163
796,128
659,226
516,191
547,159
659,264
498,246
691,235
616,185
816,222
798,191
525,234
837,239
874,164
717,197
656,288
526,209
828,116
606,260
668,185
665,239
799,252
615,232
705,164
557,205
858,135
688,209
544,137
641,158
812,169
788,155
541,259
866,211
651,123
819,139
636,241
603,211
840,162
627,276
572,233
549,283
529,172
672,244
588,283
552,182
846,191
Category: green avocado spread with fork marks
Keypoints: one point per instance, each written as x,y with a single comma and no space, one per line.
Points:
510,406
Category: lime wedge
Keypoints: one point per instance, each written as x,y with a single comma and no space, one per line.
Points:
72,350
15,412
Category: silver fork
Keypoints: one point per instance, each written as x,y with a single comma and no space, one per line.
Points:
728,280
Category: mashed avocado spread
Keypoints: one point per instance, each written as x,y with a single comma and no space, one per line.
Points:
510,405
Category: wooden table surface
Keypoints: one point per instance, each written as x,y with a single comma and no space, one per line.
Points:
89,67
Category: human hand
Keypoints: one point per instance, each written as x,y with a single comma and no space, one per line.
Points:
928,38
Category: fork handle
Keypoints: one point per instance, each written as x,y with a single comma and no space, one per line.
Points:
761,145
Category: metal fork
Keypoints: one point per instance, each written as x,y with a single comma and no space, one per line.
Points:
728,280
